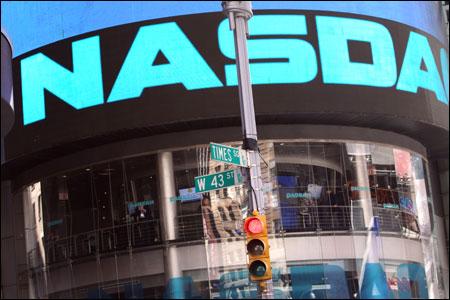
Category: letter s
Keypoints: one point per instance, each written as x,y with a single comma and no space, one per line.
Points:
301,65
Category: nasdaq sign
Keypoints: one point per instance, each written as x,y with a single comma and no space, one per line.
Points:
281,43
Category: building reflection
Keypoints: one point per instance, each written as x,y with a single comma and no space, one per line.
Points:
107,219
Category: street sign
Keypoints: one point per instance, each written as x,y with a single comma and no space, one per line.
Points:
228,154
217,181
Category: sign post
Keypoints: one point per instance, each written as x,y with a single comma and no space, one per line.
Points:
238,13
228,155
217,181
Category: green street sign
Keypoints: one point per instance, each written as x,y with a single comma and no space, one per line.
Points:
217,181
228,155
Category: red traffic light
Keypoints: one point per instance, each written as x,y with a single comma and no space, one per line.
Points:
253,225
257,242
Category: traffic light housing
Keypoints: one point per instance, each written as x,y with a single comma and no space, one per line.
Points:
257,244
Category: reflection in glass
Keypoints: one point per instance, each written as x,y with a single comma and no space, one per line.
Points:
346,220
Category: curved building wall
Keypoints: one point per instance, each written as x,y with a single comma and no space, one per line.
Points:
99,227
83,92
7,88
112,126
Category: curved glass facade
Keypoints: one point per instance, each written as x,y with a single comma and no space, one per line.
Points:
346,220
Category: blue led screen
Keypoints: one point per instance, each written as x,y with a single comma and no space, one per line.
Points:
82,87
183,69
32,24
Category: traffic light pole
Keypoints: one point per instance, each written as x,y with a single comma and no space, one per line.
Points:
238,13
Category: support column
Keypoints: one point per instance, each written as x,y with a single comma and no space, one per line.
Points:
169,224
438,179
362,181
359,151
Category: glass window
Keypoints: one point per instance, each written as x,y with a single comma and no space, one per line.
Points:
343,217
140,207
187,165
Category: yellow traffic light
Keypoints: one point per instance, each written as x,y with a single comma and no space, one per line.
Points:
257,242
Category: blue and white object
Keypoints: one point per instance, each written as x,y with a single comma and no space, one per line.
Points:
373,282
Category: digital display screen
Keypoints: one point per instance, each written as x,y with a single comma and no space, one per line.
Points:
189,194
182,69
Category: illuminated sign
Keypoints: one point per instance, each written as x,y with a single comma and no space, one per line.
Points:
276,39
297,195
54,222
141,203
178,74
360,188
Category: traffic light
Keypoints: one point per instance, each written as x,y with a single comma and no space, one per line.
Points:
257,242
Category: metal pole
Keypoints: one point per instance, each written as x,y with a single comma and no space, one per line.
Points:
238,13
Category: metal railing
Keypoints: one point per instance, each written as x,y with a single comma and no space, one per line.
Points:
340,218
190,227
104,240
289,219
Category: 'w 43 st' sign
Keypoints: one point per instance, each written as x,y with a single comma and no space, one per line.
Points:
217,181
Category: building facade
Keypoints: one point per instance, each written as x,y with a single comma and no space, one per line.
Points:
113,123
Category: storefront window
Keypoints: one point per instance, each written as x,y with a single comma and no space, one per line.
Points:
141,207
188,202
343,218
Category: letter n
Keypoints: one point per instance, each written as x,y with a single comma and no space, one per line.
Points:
79,88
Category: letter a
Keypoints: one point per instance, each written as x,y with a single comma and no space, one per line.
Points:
185,65
412,77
